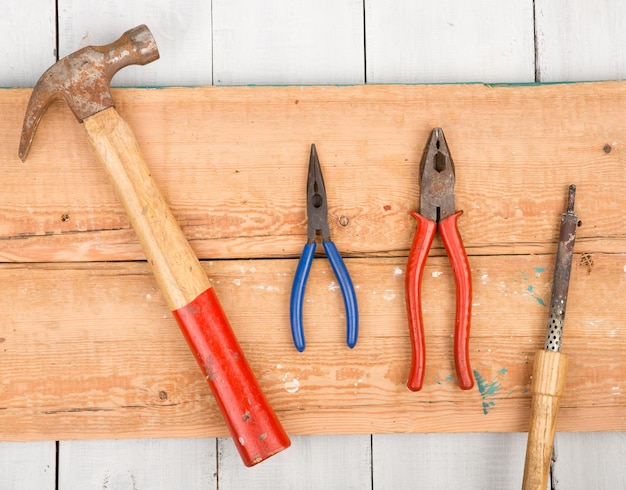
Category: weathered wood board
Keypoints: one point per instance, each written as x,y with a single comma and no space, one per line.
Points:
89,350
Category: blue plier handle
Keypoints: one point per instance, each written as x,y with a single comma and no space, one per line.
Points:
347,291
317,213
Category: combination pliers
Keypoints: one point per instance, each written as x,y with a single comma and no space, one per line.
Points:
437,211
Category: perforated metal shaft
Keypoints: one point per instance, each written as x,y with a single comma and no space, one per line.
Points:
562,269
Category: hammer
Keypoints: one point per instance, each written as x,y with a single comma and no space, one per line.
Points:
83,79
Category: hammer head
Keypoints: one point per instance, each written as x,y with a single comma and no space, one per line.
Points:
83,78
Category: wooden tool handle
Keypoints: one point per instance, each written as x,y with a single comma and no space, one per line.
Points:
175,265
547,387
256,431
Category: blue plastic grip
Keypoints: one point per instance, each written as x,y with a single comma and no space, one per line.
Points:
297,295
347,290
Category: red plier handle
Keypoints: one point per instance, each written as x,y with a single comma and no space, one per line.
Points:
462,277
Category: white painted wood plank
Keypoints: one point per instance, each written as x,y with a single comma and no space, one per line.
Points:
28,465
449,41
288,42
581,40
138,463
312,462
182,30
27,41
444,461
589,461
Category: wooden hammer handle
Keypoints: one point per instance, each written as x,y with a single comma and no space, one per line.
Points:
547,387
256,431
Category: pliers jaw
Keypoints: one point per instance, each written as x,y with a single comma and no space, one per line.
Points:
437,179
316,202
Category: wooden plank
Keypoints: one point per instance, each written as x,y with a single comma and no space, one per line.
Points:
580,40
438,461
59,207
286,42
182,30
139,463
115,363
232,162
311,462
27,42
28,465
589,460
449,41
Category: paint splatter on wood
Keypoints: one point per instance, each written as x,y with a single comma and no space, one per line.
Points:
488,391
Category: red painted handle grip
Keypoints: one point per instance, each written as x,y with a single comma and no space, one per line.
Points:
462,277
413,282
256,431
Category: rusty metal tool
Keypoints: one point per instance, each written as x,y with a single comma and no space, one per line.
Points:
437,211
317,215
550,366
83,79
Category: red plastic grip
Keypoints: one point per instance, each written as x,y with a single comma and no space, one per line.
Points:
255,428
413,281
462,277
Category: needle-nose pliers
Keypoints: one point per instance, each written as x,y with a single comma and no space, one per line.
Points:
437,210
317,215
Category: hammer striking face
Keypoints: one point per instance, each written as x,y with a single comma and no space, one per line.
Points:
83,80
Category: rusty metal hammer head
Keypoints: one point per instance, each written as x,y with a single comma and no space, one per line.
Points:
83,78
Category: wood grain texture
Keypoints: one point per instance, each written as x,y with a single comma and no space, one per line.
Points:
175,266
182,30
287,42
28,42
232,163
580,40
449,41
327,461
139,463
547,387
442,461
589,461
115,363
28,465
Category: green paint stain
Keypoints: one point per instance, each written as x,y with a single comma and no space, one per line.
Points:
530,289
487,406
489,390
538,271
448,379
